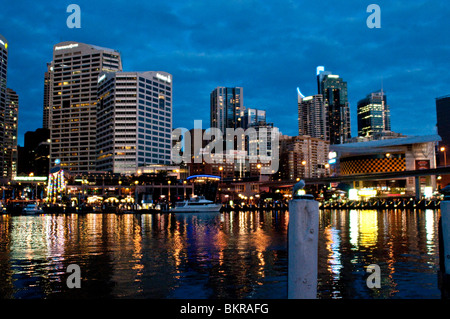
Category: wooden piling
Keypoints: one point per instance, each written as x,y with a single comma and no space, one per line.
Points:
303,248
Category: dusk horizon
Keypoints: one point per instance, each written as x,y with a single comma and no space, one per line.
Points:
268,49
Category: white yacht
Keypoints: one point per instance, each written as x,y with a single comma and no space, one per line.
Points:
196,204
33,208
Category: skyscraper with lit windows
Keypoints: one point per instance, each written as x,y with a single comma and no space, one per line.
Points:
373,114
334,92
3,98
9,108
134,120
10,135
312,116
74,74
226,107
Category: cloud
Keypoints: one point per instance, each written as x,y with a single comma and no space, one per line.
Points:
268,47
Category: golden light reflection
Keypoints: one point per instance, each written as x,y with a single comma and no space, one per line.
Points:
332,244
262,241
368,227
429,229
178,246
354,228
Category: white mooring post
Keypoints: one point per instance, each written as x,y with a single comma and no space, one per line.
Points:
302,245
444,243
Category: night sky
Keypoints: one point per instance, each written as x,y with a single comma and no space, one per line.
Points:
268,47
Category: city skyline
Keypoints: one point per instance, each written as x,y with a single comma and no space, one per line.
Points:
246,53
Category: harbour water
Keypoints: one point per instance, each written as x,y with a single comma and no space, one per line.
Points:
217,255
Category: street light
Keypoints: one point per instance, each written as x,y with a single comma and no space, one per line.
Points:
169,182
443,149
304,164
136,192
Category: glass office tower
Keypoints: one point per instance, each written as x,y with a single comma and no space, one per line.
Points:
226,107
334,92
373,114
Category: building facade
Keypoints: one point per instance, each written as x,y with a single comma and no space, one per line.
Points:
334,92
3,99
10,121
373,114
9,111
253,117
46,101
312,117
73,102
226,107
390,155
303,157
134,120
443,127
35,153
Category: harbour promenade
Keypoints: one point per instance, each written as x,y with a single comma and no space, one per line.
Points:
374,204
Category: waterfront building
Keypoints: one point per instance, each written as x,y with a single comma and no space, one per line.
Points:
373,114
334,91
73,102
389,155
134,120
383,135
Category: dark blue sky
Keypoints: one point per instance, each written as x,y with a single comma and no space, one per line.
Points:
267,47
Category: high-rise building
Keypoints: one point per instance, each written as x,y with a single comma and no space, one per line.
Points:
303,157
35,152
134,120
334,92
226,107
373,114
312,116
47,79
443,129
73,102
253,117
3,98
10,136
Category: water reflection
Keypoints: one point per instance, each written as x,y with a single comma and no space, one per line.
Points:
226,255
403,243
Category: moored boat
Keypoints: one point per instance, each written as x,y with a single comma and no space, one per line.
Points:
196,204
32,208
